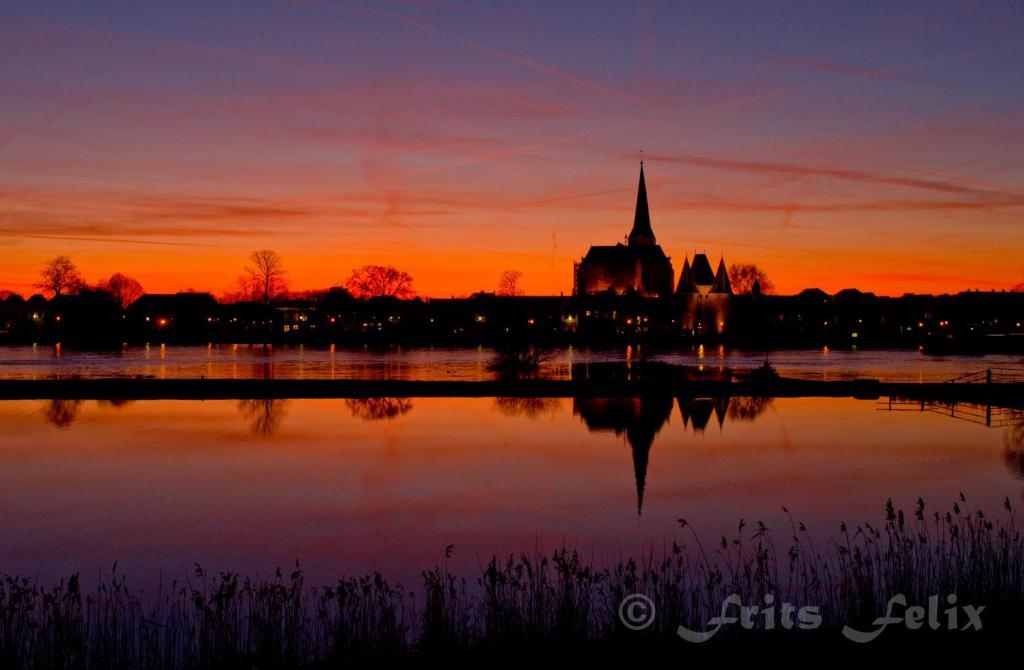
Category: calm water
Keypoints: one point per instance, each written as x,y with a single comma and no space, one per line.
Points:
354,486
244,361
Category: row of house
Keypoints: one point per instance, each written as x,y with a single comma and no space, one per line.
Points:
985,320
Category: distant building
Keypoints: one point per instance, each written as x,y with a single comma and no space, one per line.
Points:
22,320
701,302
183,317
638,267
706,296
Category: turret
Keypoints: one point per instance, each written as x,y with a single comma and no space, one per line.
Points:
686,284
722,283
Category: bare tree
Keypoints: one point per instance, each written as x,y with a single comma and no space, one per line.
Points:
125,289
60,277
378,409
1019,288
508,283
61,413
743,276
248,290
264,414
264,279
531,408
748,408
380,281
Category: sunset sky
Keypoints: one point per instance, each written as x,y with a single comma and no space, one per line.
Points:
831,144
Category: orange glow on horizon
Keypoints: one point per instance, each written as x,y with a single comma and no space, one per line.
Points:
443,268
160,144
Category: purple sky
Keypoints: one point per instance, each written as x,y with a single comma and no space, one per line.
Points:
832,144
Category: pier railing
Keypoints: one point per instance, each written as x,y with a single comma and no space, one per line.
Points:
990,376
986,415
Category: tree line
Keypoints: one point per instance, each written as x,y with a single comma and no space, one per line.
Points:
263,279
61,277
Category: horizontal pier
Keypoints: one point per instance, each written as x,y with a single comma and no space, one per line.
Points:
1008,394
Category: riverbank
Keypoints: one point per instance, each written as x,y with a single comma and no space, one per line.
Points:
448,364
1007,394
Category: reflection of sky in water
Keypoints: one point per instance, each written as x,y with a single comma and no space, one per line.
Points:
245,361
359,485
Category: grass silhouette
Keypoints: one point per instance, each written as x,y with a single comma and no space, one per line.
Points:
547,601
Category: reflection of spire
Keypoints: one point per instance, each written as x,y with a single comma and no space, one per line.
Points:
698,411
639,419
721,407
641,455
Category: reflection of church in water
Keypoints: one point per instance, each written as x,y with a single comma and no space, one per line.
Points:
639,420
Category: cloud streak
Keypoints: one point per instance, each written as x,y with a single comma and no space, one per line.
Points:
107,240
853,206
844,174
853,70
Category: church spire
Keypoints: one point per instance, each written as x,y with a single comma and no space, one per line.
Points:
722,283
641,234
686,283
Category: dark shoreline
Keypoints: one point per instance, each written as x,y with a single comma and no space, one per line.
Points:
1009,394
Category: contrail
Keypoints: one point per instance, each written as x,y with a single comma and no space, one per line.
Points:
855,70
110,239
848,174
498,53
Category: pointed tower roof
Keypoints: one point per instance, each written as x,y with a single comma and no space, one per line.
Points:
641,455
701,410
701,271
641,234
684,409
686,283
721,408
722,283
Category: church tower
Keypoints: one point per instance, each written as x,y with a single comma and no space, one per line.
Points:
642,234
639,267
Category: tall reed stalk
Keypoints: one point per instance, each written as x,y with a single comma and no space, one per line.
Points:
226,621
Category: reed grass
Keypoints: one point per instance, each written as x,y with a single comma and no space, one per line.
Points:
520,602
